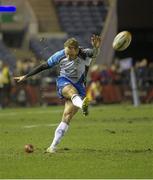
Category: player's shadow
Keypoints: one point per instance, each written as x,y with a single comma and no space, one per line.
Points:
80,150
89,150
101,151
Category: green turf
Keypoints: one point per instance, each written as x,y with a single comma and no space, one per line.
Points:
112,142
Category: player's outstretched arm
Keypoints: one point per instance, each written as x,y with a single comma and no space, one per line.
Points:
36,70
96,41
20,78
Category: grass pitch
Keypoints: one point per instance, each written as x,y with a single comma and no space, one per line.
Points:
112,142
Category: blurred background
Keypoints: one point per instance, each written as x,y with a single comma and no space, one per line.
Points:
39,28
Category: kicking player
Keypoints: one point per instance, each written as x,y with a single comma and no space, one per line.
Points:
73,62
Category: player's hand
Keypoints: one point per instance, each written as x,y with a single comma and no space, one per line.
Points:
20,78
96,41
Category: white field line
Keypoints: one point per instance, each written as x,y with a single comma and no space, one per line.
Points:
39,125
30,112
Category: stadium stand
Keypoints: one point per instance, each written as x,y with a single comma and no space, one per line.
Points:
44,48
79,19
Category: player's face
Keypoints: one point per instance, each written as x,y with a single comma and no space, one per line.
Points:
72,52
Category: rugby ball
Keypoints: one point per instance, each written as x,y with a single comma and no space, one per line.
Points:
28,148
122,41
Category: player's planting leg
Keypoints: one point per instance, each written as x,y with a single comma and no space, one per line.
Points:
59,133
69,111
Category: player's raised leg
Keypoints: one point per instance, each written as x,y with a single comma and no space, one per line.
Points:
70,92
69,111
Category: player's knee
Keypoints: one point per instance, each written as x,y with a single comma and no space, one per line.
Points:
71,92
67,117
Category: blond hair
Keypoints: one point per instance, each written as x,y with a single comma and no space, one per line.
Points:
71,42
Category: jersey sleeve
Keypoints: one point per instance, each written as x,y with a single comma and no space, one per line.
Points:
91,53
88,61
55,58
84,53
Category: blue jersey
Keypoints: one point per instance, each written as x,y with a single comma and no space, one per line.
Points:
72,69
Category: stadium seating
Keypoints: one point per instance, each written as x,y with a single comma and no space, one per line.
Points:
44,48
79,19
